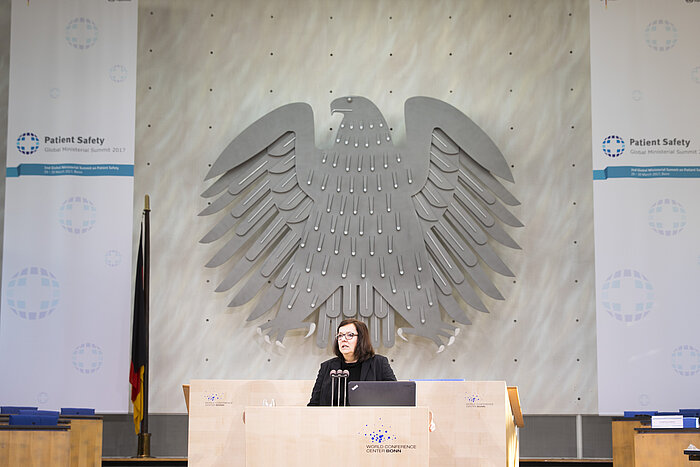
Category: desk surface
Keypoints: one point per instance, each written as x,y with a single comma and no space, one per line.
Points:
666,430
34,427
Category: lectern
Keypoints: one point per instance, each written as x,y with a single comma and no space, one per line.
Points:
234,423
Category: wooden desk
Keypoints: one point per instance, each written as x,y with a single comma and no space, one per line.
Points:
35,446
664,447
319,436
85,440
623,431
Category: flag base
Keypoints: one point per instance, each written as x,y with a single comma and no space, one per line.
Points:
144,447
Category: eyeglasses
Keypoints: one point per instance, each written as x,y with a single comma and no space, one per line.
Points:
348,336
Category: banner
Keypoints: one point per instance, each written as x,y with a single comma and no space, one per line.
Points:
66,272
645,88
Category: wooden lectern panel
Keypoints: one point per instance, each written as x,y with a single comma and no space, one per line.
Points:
320,436
216,429
474,425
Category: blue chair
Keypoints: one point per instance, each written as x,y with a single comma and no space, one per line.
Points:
39,412
10,409
68,411
28,420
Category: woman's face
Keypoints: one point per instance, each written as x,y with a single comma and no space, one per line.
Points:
347,344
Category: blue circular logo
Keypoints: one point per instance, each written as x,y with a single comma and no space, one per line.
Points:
661,35
118,73
667,217
644,400
33,293
28,143
613,146
77,215
81,33
54,93
42,397
627,295
87,358
685,359
113,258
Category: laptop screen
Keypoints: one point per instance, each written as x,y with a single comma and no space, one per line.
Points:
382,393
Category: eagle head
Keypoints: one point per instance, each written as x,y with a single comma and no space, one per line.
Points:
363,125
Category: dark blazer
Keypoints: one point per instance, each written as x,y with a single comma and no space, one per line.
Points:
375,368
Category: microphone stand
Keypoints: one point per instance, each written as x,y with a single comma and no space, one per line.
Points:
333,378
340,375
346,373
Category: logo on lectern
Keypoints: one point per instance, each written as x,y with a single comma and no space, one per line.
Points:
474,400
378,434
216,399
382,439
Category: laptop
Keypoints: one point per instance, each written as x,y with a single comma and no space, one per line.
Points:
382,393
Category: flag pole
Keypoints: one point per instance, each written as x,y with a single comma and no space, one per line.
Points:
144,437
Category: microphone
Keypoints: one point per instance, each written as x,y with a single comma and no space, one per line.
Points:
339,375
346,373
333,378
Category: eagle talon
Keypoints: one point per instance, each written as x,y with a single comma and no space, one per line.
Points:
434,335
399,331
312,328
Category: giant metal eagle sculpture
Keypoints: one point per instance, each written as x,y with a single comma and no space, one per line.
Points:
366,229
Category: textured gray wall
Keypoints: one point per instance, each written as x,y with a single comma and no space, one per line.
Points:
542,90
520,70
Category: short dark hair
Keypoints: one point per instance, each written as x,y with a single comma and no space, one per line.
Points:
363,348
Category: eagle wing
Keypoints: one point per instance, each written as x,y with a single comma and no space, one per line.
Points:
260,167
460,203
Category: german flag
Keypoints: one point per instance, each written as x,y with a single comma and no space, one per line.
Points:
139,357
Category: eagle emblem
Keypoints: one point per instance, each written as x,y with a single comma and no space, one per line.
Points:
387,234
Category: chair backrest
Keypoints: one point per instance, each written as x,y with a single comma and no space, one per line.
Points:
33,419
77,411
10,409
